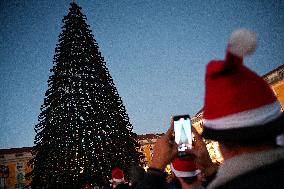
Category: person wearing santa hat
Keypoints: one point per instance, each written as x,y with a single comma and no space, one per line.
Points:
242,113
186,172
118,180
88,186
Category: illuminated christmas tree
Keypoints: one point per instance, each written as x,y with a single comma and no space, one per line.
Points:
83,130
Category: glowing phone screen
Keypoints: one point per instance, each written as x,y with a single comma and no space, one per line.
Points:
183,137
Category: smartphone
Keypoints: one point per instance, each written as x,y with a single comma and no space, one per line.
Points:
182,133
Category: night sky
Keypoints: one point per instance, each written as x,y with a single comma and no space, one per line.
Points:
156,52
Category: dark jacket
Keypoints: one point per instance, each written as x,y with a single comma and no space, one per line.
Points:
153,179
156,179
123,186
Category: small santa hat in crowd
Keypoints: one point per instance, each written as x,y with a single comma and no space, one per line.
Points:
184,167
239,105
88,186
117,175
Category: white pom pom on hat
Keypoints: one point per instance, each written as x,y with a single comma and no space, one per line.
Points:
242,42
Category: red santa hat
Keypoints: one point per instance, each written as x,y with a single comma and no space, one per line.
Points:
117,175
239,104
184,167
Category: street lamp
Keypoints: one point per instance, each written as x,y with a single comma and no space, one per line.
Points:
4,174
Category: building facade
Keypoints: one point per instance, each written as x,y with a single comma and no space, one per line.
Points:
147,143
275,79
212,146
14,164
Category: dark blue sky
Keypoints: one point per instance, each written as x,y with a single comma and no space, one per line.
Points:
156,52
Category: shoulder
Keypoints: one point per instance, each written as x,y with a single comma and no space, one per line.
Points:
269,176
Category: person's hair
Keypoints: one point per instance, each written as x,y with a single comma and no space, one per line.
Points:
176,182
189,180
269,141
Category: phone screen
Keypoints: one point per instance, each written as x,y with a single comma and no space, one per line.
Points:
183,136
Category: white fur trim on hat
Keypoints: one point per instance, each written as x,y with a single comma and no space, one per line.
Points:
258,116
185,173
118,180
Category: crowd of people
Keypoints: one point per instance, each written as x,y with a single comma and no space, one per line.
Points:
242,113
